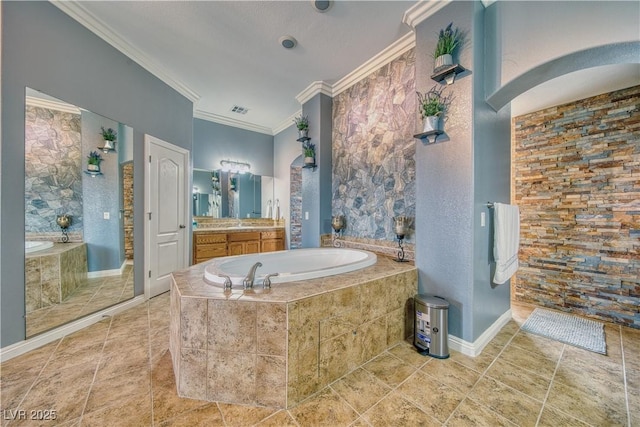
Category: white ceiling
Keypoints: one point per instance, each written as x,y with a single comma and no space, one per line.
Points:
226,53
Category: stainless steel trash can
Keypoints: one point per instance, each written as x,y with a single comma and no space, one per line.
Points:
431,326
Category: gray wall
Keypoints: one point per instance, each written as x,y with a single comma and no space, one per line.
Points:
44,49
468,166
213,142
316,183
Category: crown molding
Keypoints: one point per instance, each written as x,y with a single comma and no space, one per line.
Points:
487,3
422,10
388,54
313,89
80,14
286,123
216,118
51,105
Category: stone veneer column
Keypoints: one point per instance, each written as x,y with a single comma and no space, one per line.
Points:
316,183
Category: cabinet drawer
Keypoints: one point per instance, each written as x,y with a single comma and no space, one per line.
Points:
276,234
211,238
210,251
243,237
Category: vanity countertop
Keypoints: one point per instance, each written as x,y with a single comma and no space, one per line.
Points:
236,229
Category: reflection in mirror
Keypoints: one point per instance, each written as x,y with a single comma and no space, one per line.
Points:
224,194
78,217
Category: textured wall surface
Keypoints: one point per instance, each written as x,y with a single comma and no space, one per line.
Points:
577,182
127,215
295,203
373,150
53,181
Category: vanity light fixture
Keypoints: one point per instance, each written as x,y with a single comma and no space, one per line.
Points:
237,167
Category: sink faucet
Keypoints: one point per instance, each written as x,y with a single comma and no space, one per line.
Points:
247,283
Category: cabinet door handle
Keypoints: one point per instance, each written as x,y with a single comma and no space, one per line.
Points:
182,226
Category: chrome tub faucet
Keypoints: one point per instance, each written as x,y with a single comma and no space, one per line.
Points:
247,283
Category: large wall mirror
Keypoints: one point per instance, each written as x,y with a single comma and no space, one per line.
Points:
78,212
225,194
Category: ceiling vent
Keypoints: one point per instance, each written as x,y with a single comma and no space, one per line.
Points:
238,109
321,6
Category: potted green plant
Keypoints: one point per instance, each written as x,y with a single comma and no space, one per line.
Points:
302,123
448,40
432,104
109,136
309,150
93,161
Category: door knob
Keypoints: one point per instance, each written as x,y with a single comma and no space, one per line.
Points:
182,226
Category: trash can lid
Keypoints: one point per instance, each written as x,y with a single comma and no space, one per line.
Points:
432,301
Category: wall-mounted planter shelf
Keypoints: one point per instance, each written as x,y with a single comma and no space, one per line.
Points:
448,73
309,166
303,139
93,173
106,149
429,135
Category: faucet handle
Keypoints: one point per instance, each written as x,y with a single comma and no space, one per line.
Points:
266,284
227,282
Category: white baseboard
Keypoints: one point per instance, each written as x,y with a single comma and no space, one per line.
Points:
107,273
22,347
475,348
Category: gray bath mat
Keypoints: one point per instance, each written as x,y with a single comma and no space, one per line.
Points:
568,329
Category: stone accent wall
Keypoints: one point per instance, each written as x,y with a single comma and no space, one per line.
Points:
53,165
373,150
295,214
127,191
577,182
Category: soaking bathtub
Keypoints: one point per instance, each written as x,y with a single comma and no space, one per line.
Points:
291,265
34,246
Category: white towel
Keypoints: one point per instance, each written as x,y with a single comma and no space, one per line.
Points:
506,241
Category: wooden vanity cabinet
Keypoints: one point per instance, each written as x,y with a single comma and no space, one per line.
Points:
272,241
209,245
213,244
243,243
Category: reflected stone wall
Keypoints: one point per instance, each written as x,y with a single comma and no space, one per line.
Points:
373,150
53,182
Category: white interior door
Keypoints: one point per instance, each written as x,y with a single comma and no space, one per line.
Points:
167,238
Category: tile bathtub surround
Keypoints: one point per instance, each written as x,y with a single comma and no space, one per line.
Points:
577,175
76,376
276,347
52,275
382,247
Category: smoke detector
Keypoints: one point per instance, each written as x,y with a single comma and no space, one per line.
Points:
321,6
288,42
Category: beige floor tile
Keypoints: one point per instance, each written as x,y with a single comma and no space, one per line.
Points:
361,389
360,422
479,363
473,414
27,366
133,412
324,409
279,419
204,416
434,398
536,343
507,402
452,373
407,352
12,393
242,415
394,411
119,362
524,381
64,391
543,364
117,390
389,369
600,406
552,417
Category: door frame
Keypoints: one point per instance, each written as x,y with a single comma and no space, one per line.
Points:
148,141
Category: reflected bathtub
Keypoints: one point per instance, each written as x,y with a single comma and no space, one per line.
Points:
291,265
33,246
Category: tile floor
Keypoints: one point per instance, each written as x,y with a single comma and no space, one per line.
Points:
118,373
94,295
